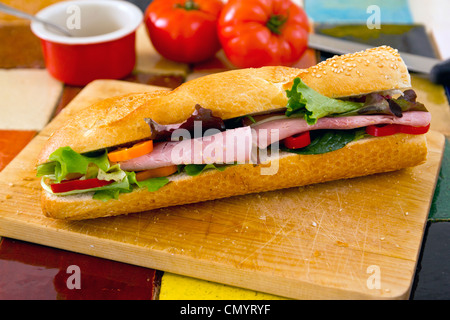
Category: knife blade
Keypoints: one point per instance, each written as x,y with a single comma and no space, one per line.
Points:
414,62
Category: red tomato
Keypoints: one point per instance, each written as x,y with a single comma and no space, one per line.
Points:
183,30
70,185
382,130
297,141
256,33
390,129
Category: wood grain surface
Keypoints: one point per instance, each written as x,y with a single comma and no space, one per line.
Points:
352,239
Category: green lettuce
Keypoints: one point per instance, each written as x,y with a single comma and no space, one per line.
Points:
311,105
65,161
196,169
152,185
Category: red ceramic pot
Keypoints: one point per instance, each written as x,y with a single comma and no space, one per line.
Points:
103,41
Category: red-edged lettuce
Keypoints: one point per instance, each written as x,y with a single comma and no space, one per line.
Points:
376,103
305,102
202,115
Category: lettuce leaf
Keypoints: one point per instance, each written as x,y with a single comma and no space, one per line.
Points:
105,195
196,169
152,184
114,173
375,103
65,160
305,102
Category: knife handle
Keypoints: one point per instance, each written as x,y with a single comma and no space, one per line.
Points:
440,73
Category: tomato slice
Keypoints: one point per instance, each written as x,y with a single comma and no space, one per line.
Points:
390,129
139,149
414,130
156,173
297,141
70,185
382,130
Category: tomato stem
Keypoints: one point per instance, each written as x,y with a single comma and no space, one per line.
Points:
188,5
275,23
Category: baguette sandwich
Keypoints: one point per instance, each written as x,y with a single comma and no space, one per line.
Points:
233,133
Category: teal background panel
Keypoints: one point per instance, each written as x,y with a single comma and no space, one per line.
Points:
355,11
440,207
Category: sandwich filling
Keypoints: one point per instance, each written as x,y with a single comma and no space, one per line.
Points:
310,124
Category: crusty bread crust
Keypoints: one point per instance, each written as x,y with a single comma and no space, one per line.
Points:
229,94
360,158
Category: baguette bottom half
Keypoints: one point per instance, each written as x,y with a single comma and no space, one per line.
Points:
360,158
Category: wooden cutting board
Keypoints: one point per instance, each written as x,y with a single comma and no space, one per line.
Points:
351,239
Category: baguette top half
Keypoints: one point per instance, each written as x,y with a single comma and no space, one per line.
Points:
120,120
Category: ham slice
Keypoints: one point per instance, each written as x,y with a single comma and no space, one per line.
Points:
285,128
225,147
235,145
